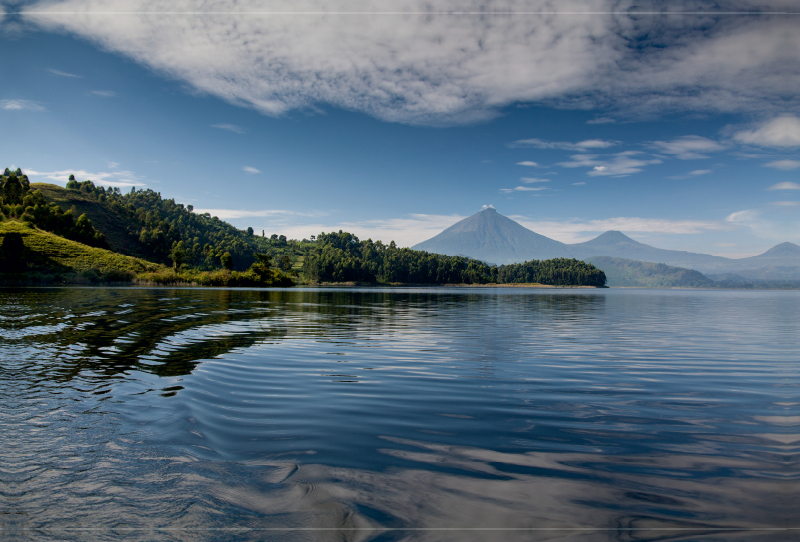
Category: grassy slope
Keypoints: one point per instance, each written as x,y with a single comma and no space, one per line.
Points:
49,249
633,273
103,218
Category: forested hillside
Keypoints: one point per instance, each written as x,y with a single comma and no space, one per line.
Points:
141,223
202,249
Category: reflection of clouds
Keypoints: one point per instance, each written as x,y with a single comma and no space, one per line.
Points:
455,486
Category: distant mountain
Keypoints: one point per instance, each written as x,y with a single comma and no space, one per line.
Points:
619,245
631,273
493,238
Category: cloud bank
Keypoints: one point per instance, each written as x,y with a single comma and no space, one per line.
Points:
103,178
424,64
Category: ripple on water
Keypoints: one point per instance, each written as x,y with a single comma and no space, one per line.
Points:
216,414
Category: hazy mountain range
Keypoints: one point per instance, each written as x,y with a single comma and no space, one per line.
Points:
494,238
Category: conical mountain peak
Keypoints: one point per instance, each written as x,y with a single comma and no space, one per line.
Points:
492,237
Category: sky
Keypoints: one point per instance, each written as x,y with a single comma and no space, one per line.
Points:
677,123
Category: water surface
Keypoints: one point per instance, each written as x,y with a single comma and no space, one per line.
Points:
406,414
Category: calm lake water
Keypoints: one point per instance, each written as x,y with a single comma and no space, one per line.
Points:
405,414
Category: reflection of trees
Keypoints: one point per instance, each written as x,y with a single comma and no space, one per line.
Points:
168,331
110,331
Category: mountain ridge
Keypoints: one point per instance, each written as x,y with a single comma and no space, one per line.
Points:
780,262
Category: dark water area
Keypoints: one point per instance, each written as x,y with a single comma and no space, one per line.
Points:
406,414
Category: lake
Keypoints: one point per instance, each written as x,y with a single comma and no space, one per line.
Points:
399,414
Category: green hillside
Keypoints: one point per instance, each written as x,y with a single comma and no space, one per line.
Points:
32,255
632,273
155,240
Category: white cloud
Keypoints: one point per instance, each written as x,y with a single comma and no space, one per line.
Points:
576,231
687,147
21,105
405,231
533,180
691,174
622,163
104,93
522,189
233,214
251,170
589,144
490,206
103,178
579,184
601,120
785,186
113,165
743,217
423,65
64,74
528,163
786,203
785,165
230,127
783,131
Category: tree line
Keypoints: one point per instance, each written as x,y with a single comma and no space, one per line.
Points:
342,257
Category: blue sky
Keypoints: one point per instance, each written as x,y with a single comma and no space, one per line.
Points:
680,129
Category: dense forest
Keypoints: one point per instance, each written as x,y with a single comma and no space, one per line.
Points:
341,257
203,249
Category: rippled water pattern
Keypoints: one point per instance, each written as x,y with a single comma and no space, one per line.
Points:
428,414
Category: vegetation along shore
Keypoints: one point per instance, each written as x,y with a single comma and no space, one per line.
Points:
89,234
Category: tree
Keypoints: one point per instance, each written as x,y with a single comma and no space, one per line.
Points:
227,260
263,260
177,254
286,263
249,231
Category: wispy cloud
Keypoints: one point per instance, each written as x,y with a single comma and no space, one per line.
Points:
783,131
230,127
784,165
64,74
589,144
694,173
786,203
765,225
21,105
528,163
405,231
251,170
103,178
233,214
579,184
576,231
523,189
619,164
103,93
533,180
601,120
785,186
687,147
425,66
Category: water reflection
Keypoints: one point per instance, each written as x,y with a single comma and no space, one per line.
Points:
217,414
